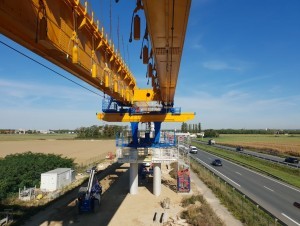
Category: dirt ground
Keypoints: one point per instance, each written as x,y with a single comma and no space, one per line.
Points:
82,151
118,207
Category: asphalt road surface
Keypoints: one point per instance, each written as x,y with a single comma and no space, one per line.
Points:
273,195
255,154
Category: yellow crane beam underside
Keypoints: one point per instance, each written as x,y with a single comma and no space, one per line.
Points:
126,117
63,32
167,30
71,39
145,95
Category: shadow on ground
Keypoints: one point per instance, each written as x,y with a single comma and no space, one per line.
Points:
64,212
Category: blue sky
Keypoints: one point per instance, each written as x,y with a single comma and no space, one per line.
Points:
240,69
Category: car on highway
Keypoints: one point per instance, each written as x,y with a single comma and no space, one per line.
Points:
239,148
193,150
291,160
297,204
211,142
217,162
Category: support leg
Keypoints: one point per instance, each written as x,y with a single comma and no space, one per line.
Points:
133,183
157,126
134,132
156,179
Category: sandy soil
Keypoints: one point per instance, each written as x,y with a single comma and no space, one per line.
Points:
81,150
118,207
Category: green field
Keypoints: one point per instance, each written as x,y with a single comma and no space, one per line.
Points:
20,137
274,144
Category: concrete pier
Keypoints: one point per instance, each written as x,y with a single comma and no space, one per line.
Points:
157,179
133,180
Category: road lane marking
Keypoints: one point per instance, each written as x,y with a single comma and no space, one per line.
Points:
290,219
219,173
268,189
261,175
278,182
238,173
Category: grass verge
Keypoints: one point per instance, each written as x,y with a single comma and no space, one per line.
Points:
198,212
239,205
281,172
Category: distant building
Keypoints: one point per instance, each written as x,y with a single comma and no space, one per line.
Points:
200,134
57,179
20,131
182,136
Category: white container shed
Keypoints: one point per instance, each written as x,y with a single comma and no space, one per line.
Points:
56,179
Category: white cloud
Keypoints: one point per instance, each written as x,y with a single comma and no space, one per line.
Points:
236,109
197,45
16,93
276,89
47,118
247,81
220,65
195,42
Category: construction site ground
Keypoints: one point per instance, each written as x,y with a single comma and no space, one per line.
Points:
118,207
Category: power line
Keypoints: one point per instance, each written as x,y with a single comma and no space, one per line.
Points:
43,65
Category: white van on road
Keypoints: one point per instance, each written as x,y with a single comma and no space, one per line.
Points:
193,150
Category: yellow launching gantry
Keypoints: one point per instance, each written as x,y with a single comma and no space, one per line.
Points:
65,33
166,23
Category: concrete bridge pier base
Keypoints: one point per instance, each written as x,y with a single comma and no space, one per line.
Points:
133,180
156,179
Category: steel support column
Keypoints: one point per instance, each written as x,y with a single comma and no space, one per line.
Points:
157,126
134,132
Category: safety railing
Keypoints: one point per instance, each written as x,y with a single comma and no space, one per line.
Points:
131,155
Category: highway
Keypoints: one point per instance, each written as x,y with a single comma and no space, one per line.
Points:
255,154
272,195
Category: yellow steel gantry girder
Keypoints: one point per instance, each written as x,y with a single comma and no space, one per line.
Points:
126,117
64,33
167,22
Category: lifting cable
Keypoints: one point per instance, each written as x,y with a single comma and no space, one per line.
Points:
43,65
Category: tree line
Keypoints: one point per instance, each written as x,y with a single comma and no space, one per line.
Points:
191,128
196,128
257,131
99,132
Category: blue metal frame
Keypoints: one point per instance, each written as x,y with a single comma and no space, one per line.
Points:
110,105
146,142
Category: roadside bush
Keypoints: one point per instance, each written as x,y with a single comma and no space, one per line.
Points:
173,172
24,169
211,133
192,200
198,212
